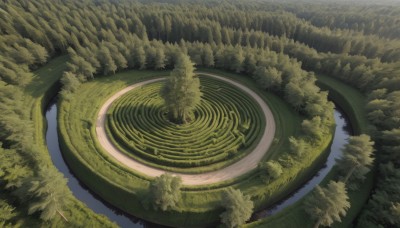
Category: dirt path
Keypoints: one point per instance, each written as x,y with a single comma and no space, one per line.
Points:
242,166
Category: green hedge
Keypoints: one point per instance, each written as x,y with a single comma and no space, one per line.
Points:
138,126
201,204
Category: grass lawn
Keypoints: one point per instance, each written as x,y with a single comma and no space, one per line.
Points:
125,188
349,99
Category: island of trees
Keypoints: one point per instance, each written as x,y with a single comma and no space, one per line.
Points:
298,56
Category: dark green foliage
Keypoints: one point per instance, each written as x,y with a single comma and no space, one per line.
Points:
19,106
238,208
14,173
208,59
382,208
347,41
181,92
49,196
77,137
159,61
13,73
327,205
80,66
16,131
22,55
269,78
298,146
395,214
270,171
106,60
312,129
165,192
356,160
7,212
383,108
70,83
391,144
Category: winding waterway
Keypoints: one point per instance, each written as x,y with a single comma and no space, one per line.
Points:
342,133
124,220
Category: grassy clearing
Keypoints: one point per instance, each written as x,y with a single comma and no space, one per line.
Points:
349,99
124,188
39,92
352,102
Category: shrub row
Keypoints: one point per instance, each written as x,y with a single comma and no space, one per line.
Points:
227,123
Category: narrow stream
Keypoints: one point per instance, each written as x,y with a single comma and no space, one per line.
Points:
342,133
124,220
80,191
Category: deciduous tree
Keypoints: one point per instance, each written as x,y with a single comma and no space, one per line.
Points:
165,192
271,170
238,208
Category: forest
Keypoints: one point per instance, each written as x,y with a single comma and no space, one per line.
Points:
282,46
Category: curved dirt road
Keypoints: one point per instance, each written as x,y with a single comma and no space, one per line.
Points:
242,166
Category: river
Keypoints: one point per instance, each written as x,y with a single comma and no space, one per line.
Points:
99,206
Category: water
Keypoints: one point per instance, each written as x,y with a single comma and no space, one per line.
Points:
124,220
342,133
78,189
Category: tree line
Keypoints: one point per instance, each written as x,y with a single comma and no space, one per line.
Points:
275,44
379,19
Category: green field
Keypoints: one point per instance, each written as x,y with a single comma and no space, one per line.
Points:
201,203
38,96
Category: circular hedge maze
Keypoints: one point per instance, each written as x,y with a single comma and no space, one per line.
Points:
225,127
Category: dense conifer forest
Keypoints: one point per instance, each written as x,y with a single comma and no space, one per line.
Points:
283,46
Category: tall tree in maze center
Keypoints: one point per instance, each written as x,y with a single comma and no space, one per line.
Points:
181,92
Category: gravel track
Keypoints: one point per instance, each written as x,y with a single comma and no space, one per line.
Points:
236,169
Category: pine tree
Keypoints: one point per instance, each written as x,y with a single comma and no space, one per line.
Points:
181,92
7,213
208,56
159,61
49,194
23,55
327,205
356,159
140,57
70,84
107,61
268,78
237,59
